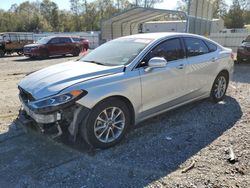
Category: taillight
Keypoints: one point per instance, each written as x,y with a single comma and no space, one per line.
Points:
232,55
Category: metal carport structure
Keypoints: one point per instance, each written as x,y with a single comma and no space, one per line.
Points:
127,22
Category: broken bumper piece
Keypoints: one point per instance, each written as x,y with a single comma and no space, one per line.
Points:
42,118
26,121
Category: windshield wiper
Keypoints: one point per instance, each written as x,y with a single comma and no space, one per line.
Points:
96,62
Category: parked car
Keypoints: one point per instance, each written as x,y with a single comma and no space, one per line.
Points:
243,52
124,82
13,42
52,46
83,41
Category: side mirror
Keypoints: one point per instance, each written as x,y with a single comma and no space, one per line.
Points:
156,62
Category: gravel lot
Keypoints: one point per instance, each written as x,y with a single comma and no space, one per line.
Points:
155,154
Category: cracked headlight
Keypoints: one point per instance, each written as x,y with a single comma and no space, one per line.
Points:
56,102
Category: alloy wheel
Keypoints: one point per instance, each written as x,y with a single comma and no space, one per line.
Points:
109,124
220,87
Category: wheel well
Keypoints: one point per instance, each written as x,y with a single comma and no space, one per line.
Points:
129,105
226,73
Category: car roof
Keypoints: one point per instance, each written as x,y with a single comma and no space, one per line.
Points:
58,36
160,35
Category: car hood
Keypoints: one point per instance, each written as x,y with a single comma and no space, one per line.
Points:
52,80
32,45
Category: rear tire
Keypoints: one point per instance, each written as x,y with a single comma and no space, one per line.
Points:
76,52
239,60
106,124
219,88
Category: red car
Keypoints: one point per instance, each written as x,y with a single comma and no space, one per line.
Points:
52,46
84,42
243,52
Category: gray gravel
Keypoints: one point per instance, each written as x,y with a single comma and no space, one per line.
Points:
153,154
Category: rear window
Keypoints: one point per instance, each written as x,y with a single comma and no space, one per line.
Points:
65,40
76,39
195,47
212,47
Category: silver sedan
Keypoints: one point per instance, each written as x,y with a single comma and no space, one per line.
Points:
124,82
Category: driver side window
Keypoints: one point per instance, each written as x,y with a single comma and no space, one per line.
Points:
54,41
171,50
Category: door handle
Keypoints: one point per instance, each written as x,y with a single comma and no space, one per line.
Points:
214,59
181,66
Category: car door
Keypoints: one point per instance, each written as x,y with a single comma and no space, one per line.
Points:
54,46
201,65
68,47
164,87
65,46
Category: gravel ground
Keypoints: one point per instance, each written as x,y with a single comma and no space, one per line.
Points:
186,147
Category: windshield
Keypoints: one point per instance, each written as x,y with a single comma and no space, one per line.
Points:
44,40
248,39
117,52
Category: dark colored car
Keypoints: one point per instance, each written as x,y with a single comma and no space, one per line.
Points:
243,52
52,46
84,42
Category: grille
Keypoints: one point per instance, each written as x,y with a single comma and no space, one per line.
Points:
27,49
25,96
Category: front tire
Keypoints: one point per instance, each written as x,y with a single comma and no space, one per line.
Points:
106,124
2,53
219,88
20,53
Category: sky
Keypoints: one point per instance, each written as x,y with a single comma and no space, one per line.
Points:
64,4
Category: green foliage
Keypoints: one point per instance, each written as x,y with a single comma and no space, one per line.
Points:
234,17
182,5
86,15
44,15
146,3
220,8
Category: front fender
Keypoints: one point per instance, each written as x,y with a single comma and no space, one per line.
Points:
126,85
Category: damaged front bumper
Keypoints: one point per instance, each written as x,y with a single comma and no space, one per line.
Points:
42,118
55,123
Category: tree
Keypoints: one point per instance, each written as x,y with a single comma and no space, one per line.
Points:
77,8
13,8
245,4
122,4
49,10
234,18
182,5
220,8
146,3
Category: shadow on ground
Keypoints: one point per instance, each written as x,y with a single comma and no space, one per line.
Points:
154,149
244,76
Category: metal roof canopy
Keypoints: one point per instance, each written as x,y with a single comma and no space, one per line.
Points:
125,23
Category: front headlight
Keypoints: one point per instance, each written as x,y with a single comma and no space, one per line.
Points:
57,102
241,48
